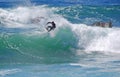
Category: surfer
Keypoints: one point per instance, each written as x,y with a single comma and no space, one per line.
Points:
52,27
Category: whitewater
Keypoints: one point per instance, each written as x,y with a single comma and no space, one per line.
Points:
74,48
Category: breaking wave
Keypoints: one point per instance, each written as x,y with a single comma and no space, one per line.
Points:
22,36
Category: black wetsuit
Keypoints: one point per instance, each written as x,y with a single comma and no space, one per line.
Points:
49,28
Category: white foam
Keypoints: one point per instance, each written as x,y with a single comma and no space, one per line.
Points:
97,39
108,43
25,17
8,72
22,15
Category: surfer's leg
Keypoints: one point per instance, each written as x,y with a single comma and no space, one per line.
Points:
49,28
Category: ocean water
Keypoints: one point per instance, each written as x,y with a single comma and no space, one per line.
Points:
74,49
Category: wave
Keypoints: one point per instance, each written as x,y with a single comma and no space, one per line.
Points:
22,38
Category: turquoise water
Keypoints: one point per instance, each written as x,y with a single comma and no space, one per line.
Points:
74,49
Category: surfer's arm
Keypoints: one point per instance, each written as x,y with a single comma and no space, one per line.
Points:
48,22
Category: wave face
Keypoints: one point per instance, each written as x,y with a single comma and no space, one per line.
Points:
24,40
